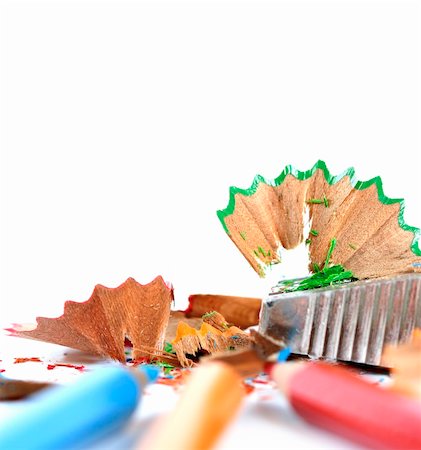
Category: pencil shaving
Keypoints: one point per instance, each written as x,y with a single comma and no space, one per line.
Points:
314,207
100,324
210,339
242,312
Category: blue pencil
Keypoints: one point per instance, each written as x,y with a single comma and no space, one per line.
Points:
67,416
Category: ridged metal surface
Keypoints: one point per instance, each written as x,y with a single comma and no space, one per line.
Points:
351,322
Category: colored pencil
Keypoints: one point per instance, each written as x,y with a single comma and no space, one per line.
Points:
69,416
209,402
338,400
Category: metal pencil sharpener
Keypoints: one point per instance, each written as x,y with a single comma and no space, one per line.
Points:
351,322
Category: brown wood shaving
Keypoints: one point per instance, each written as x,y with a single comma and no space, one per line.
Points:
240,311
100,324
370,241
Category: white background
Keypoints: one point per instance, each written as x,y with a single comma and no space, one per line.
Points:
123,124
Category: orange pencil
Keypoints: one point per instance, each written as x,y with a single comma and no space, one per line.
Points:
210,401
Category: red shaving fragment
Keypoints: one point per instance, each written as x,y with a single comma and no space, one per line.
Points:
266,397
168,381
143,360
178,378
190,307
18,327
248,388
24,360
127,343
260,381
2,370
73,366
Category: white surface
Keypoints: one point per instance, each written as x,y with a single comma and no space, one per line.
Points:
264,422
124,123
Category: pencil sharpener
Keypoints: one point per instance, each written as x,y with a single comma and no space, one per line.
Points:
351,322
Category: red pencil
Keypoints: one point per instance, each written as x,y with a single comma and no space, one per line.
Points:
334,398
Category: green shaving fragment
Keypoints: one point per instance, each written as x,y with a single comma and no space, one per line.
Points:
168,347
329,252
315,201
261,251
326,277
319,201
167,367
352,246
243,234
314,232
256,253
308,241
208,314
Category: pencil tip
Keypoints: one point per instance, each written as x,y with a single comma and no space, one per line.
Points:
283,355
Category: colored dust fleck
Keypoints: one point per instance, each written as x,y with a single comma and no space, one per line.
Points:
319,201
127,343
175,377
24,360
15,328
72,366
165,366
325,277
208,314
314,201
142,360
168,347
260,381
249,388
258,384
266,397
328,276
2,370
